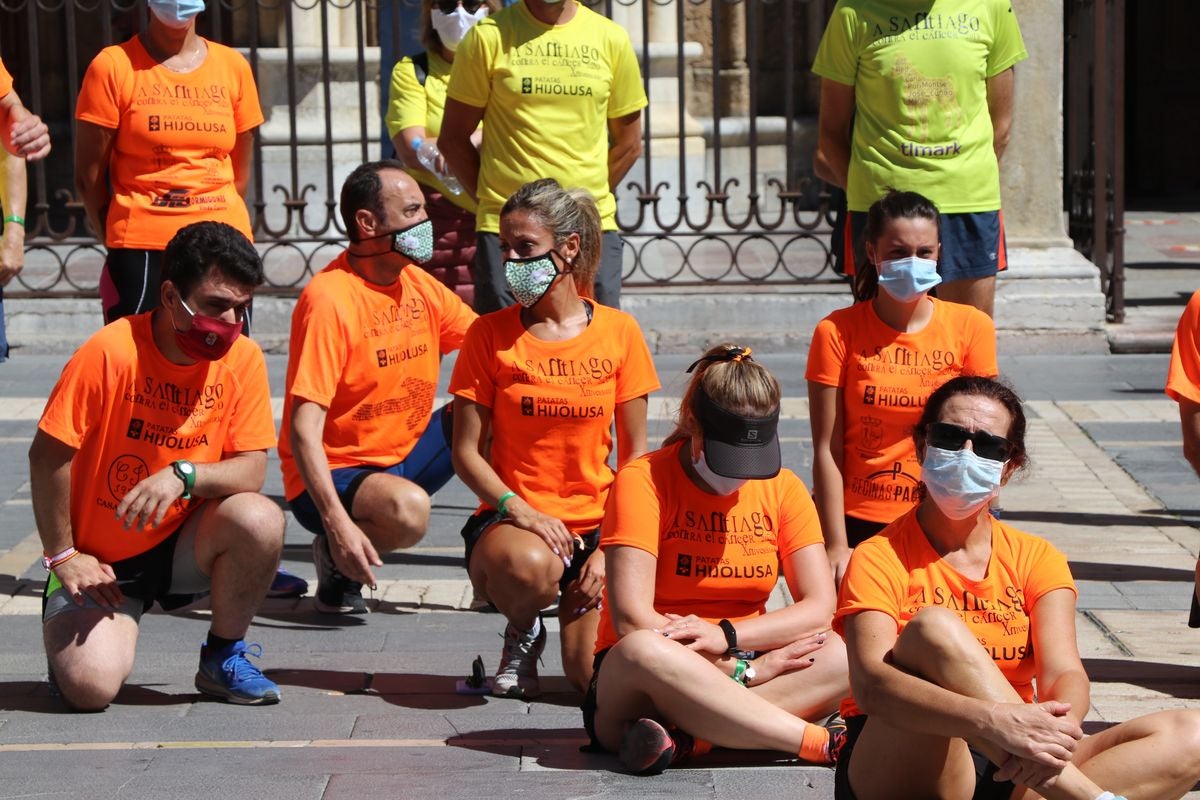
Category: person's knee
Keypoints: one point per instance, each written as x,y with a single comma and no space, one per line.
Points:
88,690
534,569
1184,735
260,522
645,650
406,509
934,633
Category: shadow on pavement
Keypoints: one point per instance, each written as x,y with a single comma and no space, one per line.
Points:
1177,680
549,748
35,696
1150,518
416,690
1096,571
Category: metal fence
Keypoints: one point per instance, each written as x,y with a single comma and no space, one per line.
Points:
723,194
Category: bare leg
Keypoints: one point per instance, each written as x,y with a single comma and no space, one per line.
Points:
91,655
978,292
578,639
812,693
516,571
938,647
393,512
645,675
238,542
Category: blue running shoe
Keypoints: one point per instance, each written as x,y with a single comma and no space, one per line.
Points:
287,585
231,677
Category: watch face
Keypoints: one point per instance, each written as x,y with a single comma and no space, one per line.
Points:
187,467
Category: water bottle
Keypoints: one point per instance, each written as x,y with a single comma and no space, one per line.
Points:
428,155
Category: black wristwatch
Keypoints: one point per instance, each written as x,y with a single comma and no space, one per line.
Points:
186,472
730,635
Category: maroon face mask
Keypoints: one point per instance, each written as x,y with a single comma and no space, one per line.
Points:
209,338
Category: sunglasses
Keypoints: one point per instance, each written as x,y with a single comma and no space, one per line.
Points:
947,436
448,6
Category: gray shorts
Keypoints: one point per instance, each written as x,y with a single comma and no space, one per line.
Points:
167,572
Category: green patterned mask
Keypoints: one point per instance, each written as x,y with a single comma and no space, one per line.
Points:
414,242
530,278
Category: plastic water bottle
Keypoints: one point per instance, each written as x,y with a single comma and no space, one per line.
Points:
428,155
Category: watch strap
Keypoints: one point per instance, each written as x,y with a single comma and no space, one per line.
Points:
186,472
730,635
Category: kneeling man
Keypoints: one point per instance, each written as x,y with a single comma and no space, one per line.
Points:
145,471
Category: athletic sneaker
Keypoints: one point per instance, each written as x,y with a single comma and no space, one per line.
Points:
1194,619
837,737
231,677
287,585
517,676
336,594
648,748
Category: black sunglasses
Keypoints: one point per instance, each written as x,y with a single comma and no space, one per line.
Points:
947,436
448,6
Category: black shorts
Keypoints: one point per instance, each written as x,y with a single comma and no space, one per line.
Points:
985,787
480,521
859,530
588,706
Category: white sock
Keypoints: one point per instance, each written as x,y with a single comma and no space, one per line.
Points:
1108,796
536,630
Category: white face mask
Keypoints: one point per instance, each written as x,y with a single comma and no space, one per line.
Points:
718,483
451,28
959,482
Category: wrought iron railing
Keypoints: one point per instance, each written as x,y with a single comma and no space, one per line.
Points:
723,194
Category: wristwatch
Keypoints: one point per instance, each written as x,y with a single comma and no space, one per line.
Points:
186,472
730,635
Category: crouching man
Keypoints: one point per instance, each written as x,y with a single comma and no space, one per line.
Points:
145,472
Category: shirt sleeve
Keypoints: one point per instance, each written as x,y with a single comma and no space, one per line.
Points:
252,426
72,407
980,358
1008,47
6,81
826,355
1047,570
471,73
837,55
628,94
1183,376
99,97
799,525
637,375
454,318
874,581
407,105
472,378
319,346
247,111
631,515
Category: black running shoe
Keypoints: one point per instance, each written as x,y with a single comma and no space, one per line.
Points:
336,594
648,748
837,737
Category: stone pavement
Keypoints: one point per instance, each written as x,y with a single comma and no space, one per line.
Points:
370,708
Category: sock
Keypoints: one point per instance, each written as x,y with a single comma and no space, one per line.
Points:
815,746
701,746
536,630
216,644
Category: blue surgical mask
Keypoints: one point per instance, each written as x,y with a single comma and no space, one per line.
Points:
175,13
718,483
906,279
959,482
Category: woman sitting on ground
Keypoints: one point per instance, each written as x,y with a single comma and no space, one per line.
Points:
950,616
695,535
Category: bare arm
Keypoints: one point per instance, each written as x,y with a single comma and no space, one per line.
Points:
25,135
93,150
1060,673
1000,108
631,429
825,417
148,502
243,161
631,589
807,574
403,142
1189,417
625,146
458,124
12,201
831,161
352,551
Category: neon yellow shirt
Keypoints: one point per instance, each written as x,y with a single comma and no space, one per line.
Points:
411,105
547,92
919,72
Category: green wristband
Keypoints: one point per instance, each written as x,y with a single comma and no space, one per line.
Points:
739,672
502,503
14,218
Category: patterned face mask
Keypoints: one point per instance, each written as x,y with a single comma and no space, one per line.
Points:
414,242
530,278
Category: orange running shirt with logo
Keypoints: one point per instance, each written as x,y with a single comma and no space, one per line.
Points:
6,81
719,556
129,412
1183,377
552,405
369,354
886,377
170,163
899,573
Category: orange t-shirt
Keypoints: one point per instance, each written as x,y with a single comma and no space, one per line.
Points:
898,572
719,556
552,405
370,355
6,81
170,163
129,412
1183,377
886,376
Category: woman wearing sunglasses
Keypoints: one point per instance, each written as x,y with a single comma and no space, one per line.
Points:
416,102
696,535
949,617
537,388
871,366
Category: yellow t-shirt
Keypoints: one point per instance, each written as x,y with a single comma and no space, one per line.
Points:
411,105
547,92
